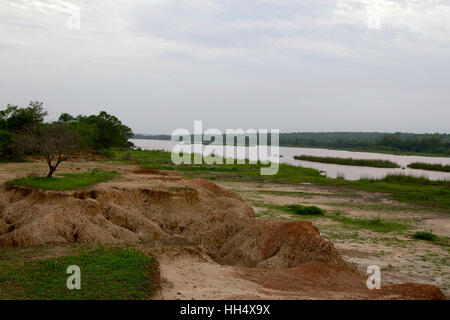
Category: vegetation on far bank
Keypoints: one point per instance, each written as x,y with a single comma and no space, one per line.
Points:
106,273
377,163
395,143
429,166
66,181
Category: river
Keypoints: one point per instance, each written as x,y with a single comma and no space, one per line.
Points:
335,170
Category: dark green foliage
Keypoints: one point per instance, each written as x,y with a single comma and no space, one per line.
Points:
423,235
438,144
304,210
100,131
13,120
377,163
433,238
429,166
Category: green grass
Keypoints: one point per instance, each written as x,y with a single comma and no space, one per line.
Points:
432,238
373,224
66,181
377,163
295,209
417,191
429,166
106,273
305,195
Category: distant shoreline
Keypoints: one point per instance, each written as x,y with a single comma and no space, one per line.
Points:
397,153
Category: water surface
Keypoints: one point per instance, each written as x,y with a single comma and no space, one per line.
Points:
334,170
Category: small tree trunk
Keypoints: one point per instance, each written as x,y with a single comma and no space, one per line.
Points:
50,173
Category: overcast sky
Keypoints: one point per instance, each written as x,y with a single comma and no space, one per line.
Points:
294,65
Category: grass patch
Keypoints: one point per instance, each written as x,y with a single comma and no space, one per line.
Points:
374,224
416,190
433,238
106,273
377,163
66,181
429,166
306,195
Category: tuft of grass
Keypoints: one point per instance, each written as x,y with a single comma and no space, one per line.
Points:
377,163
303,210
429,166
423,235
66,181
106,273
433,238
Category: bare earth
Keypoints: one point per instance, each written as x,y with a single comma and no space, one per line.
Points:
400,258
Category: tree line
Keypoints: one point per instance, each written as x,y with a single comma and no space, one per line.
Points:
371,141
365,141
23,131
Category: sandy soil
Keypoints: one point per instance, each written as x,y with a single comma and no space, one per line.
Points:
400,258
187,273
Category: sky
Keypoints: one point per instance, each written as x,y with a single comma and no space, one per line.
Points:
296,65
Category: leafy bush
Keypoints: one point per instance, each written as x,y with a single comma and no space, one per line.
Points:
423,235
304,210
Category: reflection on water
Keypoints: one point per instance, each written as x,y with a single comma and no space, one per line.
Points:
334,170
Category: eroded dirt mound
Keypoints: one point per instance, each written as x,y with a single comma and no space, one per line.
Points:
286,259
156,208
334,282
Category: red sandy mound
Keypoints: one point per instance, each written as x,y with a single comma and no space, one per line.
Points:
160,208
334,282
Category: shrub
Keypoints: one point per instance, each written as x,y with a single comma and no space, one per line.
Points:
423,235
306,210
